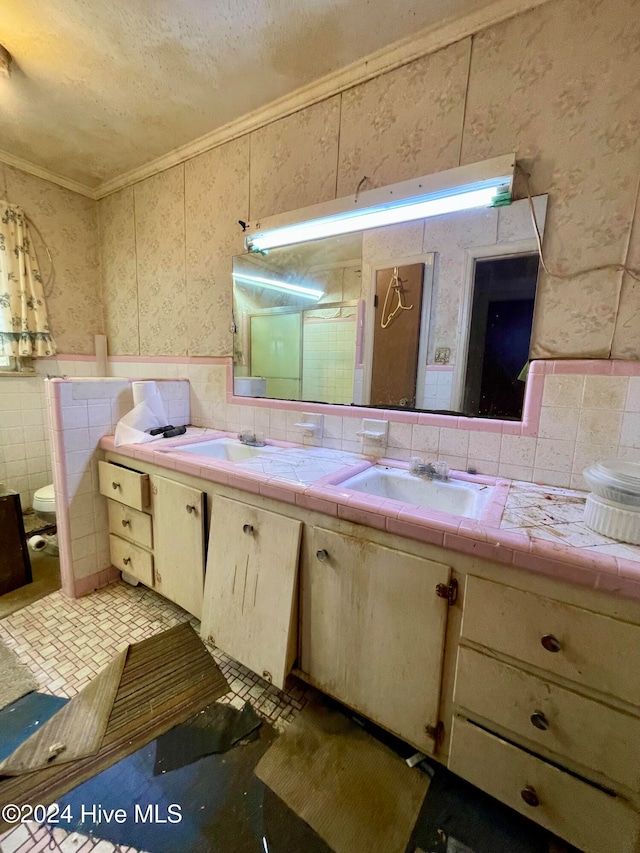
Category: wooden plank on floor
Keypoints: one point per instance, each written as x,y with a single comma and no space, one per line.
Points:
351,789
75,731
165,681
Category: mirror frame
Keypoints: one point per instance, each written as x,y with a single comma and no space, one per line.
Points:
441,180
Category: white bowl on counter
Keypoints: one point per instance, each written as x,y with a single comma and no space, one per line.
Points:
613,507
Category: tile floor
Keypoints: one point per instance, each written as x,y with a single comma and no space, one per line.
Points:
66,642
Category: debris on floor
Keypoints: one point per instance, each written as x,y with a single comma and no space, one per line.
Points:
354,791
214,730
165,680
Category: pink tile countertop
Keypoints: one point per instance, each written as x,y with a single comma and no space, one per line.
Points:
529,526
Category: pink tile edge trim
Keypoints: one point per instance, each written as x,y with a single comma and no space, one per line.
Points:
167,359
52,391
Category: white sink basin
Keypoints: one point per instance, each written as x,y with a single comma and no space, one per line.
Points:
229,449
457,497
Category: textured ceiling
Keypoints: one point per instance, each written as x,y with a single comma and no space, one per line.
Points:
99,88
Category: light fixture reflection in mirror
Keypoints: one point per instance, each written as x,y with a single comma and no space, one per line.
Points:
455,335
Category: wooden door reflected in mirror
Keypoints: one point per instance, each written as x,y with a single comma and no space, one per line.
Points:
396,337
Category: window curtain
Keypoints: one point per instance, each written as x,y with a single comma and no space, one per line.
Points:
24,327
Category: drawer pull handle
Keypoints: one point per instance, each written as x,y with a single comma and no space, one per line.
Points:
116,485
126,522
530,796
551,643
539,720
248,529
322,555
191,508
126,560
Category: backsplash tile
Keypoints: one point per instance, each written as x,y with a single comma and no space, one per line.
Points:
72,405
568,438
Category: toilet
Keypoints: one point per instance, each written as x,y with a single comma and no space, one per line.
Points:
44,504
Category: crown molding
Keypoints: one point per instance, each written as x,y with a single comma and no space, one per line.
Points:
387,59
46,175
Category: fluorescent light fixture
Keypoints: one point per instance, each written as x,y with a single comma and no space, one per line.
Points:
475,185
276,284
467,197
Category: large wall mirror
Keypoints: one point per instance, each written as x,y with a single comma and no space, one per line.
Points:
434,315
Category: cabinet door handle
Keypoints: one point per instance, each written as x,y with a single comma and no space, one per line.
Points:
126,522
126,560
116,485
530,796
248,529
551,643
191,508
322,555
539,720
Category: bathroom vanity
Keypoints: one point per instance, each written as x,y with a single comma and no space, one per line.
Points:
156,532
524,683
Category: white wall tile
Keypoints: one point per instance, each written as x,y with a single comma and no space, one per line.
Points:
484,446
633,395
425,439
563,390
453,442
515,472
630,433
517,450
400,435
598,426
554,454
558,422
605,392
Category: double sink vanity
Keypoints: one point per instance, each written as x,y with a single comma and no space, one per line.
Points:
402,596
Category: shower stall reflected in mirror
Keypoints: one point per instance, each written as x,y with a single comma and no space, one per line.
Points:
303,353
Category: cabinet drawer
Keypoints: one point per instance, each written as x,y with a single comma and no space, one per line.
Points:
130,524
123,485
576,811
131,559
557,719
579,645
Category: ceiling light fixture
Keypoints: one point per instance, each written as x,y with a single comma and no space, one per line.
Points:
5,61
275,284
483,184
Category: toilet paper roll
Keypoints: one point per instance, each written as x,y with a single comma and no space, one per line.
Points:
143,391
147,414
37,543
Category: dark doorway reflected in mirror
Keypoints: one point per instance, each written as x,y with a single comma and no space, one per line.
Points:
504,291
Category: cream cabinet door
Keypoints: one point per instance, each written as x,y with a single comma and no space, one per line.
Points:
373,631
178,536
250,591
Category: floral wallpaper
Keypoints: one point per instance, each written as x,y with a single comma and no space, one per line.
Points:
449,237
405,123
119,279
560,86
626,337
68,224
216,197
160,248
294,160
